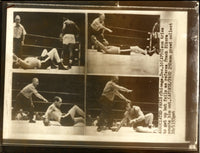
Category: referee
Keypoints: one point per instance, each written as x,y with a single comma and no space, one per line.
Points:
110,90
24,99
97,29
19,36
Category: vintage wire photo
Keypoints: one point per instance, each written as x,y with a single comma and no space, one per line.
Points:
47,60
123,44
101,77
42,103
45,44
125,107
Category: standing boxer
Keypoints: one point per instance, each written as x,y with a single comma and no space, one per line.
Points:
69,33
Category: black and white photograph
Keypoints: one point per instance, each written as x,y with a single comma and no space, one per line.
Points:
123,44
107,77
46,106
49,42
124,108
161,55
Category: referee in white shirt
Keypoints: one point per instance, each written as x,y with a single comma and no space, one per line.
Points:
98,27
18,36
24,99
106,100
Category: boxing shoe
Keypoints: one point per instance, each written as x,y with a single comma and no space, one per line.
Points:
53,66
32,121
61,66
100,128
105,42
150,126
46,122
151,52
94,39
69,66
114,128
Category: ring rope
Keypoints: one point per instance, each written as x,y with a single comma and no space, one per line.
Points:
134,30
115,44
119,110
52,92
37,46
126,37
146,103
62,93
42,102
33,35
121,101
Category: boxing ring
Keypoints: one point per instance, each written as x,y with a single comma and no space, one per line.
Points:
135,64
79,70
37,131
98,63
79,132
118,64
33,47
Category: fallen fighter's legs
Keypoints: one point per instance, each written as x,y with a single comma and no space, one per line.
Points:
105,49
44,53
149,119
98,43
52,56
117,50
75,110
146,129
137,49
148,126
